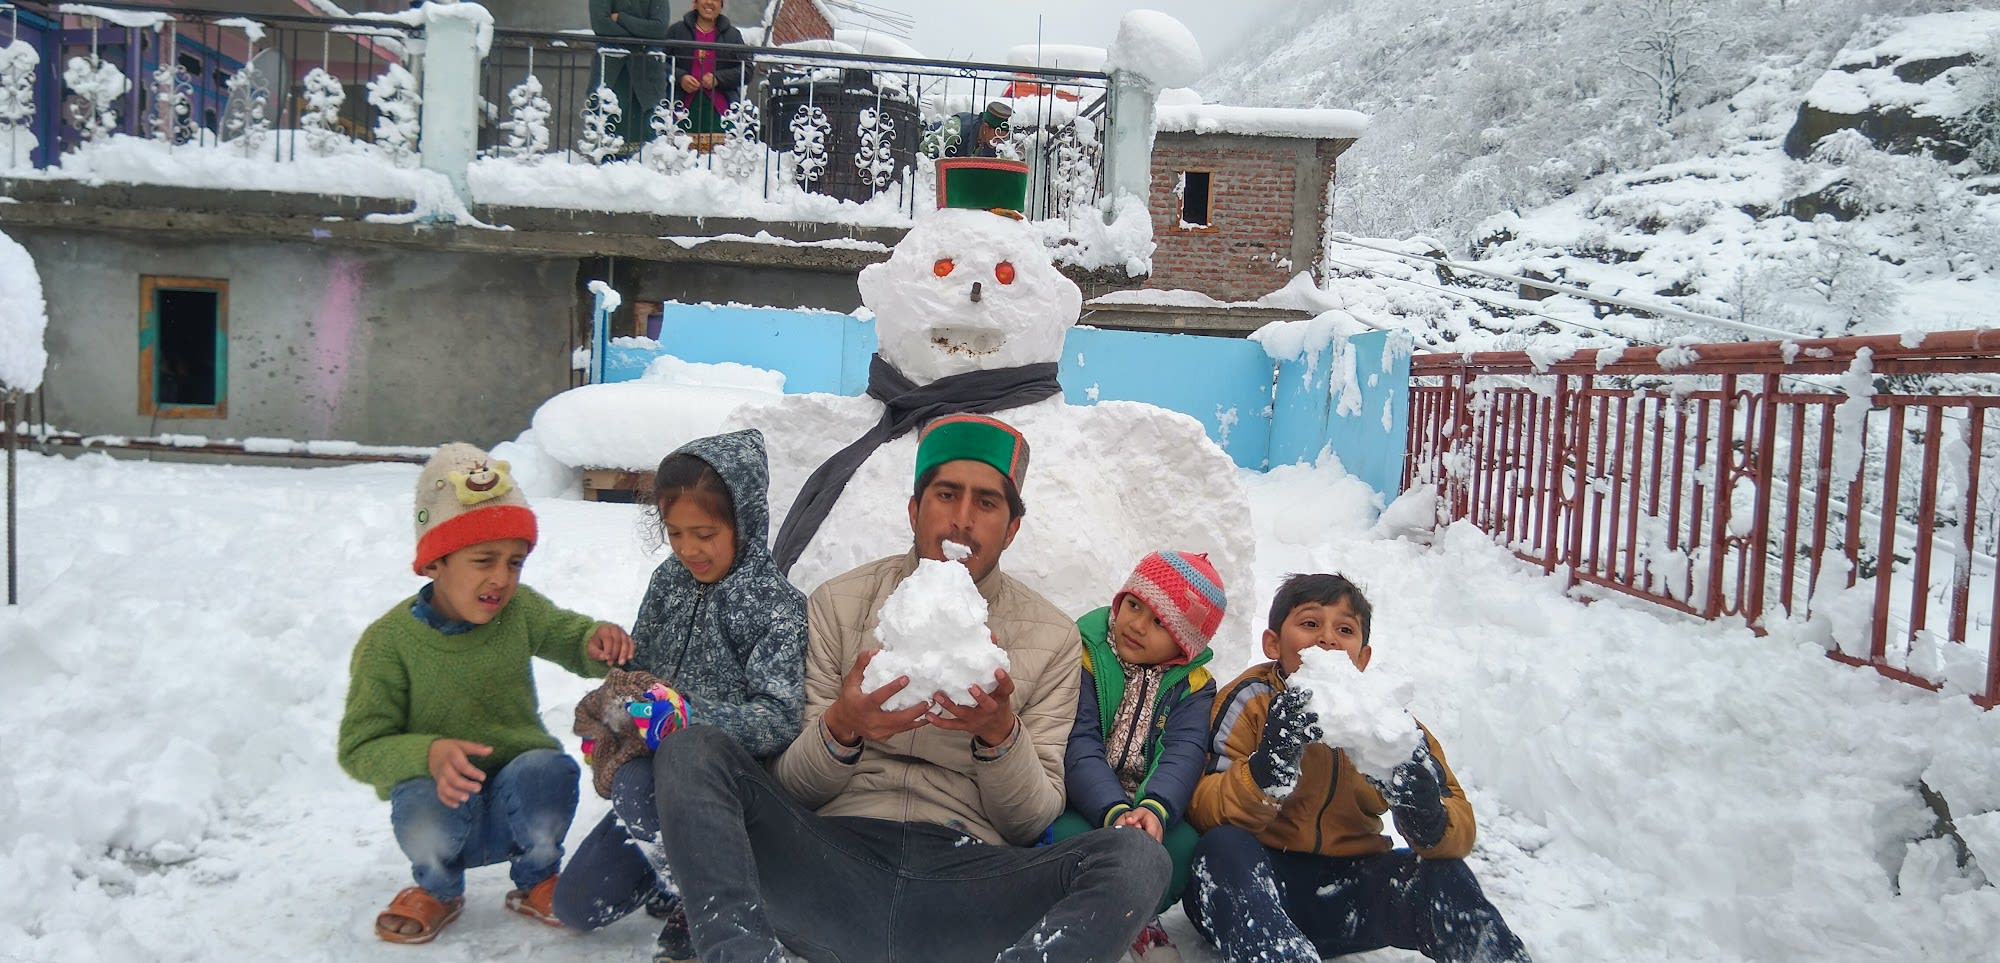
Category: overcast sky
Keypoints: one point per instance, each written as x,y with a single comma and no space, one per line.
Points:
983,30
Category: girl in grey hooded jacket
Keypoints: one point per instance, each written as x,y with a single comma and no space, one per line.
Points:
730,642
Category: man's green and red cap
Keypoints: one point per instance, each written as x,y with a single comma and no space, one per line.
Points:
975,437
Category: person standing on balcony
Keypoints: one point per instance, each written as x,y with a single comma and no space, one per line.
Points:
636,78
979,132
706,82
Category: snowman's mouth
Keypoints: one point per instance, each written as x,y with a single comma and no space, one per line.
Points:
966,340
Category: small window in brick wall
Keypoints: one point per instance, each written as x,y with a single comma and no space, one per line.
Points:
1194,198
184,347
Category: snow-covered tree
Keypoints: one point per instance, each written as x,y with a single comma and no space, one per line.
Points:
1981,123
1664,48
320,119
399,111
1914,195
527,123
98,84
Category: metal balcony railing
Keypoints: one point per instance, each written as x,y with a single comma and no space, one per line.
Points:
1718,480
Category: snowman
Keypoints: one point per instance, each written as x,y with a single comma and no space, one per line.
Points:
970,315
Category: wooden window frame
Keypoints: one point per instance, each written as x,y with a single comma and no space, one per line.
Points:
1180,204
150,287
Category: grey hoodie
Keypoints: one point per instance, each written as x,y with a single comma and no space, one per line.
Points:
734,649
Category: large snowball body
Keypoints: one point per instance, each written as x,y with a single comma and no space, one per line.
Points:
926,316
1107,483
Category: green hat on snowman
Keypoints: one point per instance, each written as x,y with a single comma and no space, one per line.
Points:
983,184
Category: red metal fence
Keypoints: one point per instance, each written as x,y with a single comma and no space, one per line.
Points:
1714,479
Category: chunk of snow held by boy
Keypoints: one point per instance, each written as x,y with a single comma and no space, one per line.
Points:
1365,713
933,629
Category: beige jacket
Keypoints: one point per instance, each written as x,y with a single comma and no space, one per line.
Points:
929,774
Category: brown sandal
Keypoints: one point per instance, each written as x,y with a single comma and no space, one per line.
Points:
537,902
429,913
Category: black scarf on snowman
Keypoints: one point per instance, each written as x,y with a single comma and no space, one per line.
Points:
906,405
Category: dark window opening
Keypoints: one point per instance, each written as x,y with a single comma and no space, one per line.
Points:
1194,198
184,361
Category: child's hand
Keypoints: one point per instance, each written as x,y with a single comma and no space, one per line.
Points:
1415,796
659,713
1274,767
610,645
452,769
1143,818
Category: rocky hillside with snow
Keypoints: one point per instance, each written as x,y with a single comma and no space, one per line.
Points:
1818,169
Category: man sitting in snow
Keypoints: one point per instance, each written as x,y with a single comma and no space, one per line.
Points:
901,834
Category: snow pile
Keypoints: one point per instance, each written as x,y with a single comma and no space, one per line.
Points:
933,630
633,424
23,318
1157,48
1365,713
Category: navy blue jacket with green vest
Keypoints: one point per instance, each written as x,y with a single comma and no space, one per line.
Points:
1177,747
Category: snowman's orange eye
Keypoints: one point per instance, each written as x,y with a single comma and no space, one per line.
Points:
1004,271
942,267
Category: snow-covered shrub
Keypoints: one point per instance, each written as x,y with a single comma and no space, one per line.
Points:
1980,125
321,117
527,123
1912,194
399,111
601,122
98,84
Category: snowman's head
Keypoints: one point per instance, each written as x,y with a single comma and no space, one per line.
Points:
967,290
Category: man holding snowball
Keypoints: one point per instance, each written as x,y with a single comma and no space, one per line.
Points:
1292,864
904,834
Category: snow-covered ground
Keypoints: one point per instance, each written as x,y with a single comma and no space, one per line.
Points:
1649,788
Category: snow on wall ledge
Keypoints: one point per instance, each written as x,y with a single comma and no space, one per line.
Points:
1319,124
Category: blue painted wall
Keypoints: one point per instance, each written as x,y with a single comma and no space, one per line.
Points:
1350,396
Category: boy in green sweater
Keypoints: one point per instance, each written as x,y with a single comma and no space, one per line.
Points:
441,715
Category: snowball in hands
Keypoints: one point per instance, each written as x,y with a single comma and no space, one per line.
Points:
1365,713
933,629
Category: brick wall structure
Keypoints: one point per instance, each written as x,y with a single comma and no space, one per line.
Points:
797,20
1267,211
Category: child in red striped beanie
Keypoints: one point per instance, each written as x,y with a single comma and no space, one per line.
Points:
1141,730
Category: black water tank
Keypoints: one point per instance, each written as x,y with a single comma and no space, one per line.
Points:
842,95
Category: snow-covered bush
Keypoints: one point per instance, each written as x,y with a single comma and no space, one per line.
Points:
1913,194
1980,124
399,111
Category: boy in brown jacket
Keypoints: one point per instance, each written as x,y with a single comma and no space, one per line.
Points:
1292,863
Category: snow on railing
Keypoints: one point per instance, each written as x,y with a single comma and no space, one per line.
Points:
1810,488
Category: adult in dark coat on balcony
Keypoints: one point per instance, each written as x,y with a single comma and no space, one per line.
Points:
705,81
637,78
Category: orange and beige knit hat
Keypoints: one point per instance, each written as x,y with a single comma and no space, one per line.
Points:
465,496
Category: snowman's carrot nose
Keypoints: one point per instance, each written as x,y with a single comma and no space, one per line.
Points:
975,292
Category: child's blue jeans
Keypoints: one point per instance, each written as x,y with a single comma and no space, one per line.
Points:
521,814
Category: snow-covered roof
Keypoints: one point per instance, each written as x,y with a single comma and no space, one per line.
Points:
1315,123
